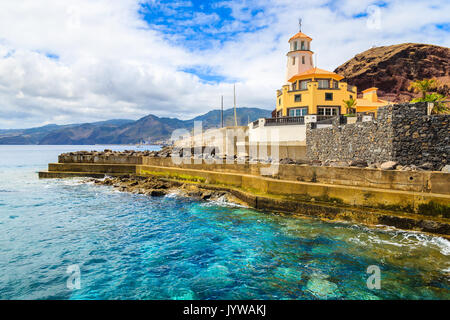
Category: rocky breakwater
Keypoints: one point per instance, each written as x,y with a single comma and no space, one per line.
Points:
158,187
110,156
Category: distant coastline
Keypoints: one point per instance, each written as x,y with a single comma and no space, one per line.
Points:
149,130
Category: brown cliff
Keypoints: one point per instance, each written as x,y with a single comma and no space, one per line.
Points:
392,68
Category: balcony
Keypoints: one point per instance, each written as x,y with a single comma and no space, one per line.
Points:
281,121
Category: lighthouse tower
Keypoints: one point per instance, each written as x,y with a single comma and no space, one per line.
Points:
299,57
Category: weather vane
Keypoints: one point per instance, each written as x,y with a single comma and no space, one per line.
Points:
300,24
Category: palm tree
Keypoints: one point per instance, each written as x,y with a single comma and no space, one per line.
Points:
424,86
350,105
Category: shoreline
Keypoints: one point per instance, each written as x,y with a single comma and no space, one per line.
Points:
416,201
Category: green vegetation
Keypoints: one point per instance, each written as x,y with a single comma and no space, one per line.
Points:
173,175
428,88
435,209
350,105
424,86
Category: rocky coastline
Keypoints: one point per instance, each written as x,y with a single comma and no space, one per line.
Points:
158,187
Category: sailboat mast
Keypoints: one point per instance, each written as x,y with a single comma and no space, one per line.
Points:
235,116
221,114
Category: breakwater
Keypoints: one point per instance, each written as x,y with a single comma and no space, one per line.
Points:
418,200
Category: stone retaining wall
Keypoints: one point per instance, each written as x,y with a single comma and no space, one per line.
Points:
403,133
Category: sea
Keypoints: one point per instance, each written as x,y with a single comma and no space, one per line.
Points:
72,239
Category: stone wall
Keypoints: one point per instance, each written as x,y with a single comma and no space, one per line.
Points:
403,133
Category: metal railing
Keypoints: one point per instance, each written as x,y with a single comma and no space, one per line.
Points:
325,119
285,121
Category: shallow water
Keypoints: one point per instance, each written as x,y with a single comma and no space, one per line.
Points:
136,247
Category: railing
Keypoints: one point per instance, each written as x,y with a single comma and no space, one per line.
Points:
322,119
285,121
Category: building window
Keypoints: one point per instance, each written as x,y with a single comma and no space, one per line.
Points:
298,112
303,45
335,84
310,60
328,96
327,111
295,46
303,59
304,85
293,60
279,102
298,98
324,83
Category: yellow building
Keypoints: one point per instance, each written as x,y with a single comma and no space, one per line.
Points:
310,90
369,103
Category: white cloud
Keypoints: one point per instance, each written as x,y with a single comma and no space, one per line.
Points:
79,60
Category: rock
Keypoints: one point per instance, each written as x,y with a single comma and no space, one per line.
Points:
388,165
426,166
317,163
157,193
195,194
206,195
339,164
446,168
358,163
287,161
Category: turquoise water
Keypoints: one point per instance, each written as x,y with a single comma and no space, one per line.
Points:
136,247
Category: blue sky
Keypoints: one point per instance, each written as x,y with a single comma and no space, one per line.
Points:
81,60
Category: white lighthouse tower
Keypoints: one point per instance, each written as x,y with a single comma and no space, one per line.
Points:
299,57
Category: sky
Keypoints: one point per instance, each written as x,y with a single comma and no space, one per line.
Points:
72,61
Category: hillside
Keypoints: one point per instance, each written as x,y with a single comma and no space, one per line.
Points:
150,129
392,68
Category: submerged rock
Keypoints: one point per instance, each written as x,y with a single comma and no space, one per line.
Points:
323,289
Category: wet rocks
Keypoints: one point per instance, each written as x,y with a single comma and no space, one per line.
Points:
159,187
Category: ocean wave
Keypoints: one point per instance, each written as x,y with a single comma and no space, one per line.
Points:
222,202
400,238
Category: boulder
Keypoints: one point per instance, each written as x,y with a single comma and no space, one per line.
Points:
157,193
388,165
446,168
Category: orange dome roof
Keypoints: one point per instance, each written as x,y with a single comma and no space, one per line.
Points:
316,72
300,35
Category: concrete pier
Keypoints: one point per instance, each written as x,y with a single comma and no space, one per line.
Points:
413,200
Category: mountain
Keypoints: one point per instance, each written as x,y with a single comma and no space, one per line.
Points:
151,129
212,119
392,68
